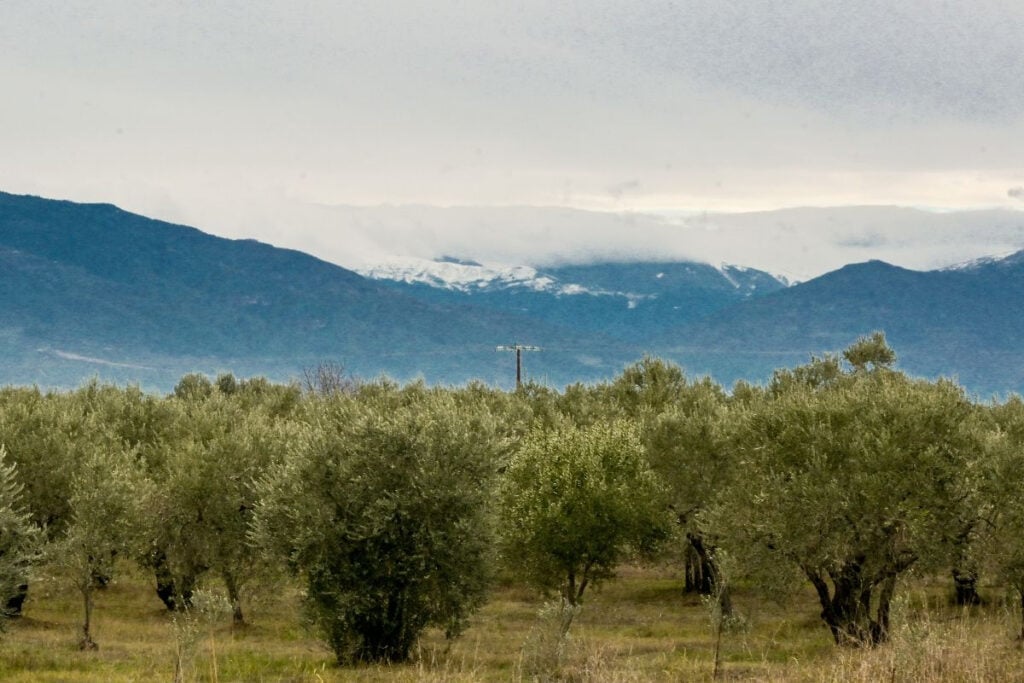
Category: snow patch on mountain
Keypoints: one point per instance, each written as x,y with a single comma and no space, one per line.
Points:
724,270
470,276
730,271
972,264
458,275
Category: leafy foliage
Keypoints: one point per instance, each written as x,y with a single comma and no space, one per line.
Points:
577,501
386,500
1002,483
104,510
382,508
19,537
851,482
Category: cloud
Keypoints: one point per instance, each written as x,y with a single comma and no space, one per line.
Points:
1016,193
231,115
797,243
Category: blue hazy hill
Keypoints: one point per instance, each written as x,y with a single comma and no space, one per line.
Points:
89,289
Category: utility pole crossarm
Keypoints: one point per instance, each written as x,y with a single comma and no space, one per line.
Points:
518,348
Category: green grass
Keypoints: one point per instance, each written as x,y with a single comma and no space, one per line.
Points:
636,628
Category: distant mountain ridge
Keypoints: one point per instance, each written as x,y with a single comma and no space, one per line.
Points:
966,322
89,289
90,281
470,276
630,301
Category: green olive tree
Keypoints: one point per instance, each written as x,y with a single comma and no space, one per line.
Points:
577,501
382,506
1003,513
204,495
851,479
107,489
19,537
684,427
47,437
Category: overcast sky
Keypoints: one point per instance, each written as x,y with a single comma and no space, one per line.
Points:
241,116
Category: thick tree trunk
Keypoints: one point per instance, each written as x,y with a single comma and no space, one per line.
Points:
709,573
164,579
236,599
846,609
691,570
880,626
388,638
12,608
176,594
965,585
186,585
705,570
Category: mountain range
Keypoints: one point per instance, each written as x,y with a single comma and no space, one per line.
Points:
89,289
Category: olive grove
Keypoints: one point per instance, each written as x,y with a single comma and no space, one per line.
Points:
394,509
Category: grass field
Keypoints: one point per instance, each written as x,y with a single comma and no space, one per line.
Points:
636,628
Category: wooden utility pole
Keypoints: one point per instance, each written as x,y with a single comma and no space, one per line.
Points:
518,348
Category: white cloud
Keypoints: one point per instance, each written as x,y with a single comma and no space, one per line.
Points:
239,117
797,243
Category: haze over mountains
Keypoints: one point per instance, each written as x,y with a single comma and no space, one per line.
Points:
799,243
89,289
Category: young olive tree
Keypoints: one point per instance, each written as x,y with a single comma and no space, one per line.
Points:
106,491
851,479
576,502
382,506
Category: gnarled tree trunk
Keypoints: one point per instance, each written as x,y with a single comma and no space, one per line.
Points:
965,586
708,573
846,608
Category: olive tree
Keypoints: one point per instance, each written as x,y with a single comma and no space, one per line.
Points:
19,537
39,432
684,425
577,501
47,437
106,490
1003,482
688,446
851,479
204,494
381,506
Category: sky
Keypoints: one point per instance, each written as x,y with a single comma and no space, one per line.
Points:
251,118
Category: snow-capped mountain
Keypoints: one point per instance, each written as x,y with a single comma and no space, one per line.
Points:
977,263
628,300
471,277
463,275
468,276
90,290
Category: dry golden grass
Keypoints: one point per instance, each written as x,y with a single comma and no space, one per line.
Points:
637,628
